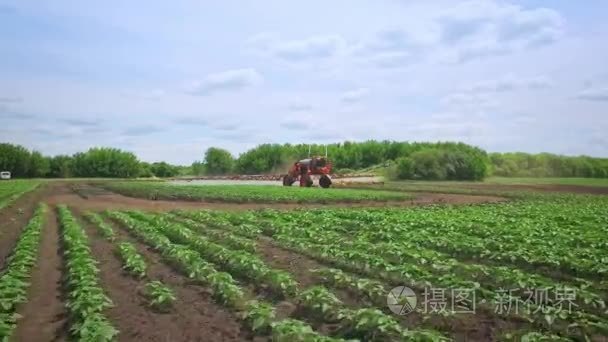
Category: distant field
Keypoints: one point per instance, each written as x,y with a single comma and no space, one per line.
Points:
248,193
11,190
548,181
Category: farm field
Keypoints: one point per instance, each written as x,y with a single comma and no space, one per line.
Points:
84,263
548,181
247,193
11,190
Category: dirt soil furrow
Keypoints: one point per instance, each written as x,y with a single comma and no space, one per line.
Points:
193,317
44,314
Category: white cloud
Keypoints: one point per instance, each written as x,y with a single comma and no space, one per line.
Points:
469,100
155,94
310,48
355,95
226,81
477,29
299,123
510,83
299,106
468,31
594,94
10,99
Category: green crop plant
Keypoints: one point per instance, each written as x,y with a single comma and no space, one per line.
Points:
218,236
259,316
321,301
160,297
86,300
105,229
291,330
185,259
250,193
14,280
133,262
245,264
10,191
374,290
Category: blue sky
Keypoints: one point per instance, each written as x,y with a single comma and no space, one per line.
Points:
167,80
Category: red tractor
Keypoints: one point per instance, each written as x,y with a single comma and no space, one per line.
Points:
303,170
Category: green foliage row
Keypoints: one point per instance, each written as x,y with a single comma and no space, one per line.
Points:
160,296
469,162
259,316
417,160
104,229
390,244
215,235
96,162
15,279
86,299
243,263
547,165
374,327
248,193
133,262
441,164
11,190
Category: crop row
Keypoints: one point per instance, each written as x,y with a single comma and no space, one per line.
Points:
248,193
565,233
246,224
104,229
259,316
360,257
385,242
215,235
14,280
368,324
86,300
321,245
243,263
10,191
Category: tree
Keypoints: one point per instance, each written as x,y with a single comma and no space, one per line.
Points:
197,168
218,161
60,166
105,162
404,168
14,158
163,169
38,165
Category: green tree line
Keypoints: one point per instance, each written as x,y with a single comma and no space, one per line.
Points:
96,162
405,160
402,160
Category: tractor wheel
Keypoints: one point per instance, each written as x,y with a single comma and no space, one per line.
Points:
288,180
325,181
306,181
